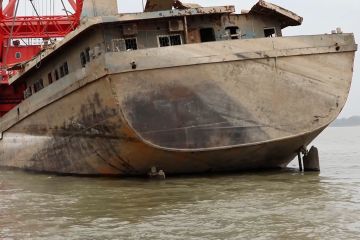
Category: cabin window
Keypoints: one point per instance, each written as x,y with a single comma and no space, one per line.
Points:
175,40
56,74
207,35
38,85
131,44
169,40
270,32
234,32
28,92
62,72
18,55
118,45
50,78
164,41
66,68
83,59
87,54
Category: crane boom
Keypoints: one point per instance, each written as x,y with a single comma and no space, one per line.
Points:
13,27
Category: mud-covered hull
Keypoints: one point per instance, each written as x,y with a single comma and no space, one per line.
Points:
216,107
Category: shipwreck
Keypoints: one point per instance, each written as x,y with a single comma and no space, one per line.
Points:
178,87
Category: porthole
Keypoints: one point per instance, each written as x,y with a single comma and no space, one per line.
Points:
18,55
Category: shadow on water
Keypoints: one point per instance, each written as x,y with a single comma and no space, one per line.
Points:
278,204
133,199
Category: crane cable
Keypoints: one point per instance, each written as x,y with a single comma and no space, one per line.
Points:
37,14
66,11
38,64
67,14
11,32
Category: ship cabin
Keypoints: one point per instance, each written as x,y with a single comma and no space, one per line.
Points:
78,55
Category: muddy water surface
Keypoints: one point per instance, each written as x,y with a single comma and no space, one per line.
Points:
265,205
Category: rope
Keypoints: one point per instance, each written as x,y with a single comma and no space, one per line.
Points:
38,64
11,32
31,1
36,12
66,11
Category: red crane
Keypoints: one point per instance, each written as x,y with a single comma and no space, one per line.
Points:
12,52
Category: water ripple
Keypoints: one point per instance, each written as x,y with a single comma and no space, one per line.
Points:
269,205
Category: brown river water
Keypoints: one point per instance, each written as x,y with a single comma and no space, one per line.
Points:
264,205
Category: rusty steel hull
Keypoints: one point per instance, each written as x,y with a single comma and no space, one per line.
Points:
246,111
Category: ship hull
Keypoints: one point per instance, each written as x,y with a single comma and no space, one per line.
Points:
215,107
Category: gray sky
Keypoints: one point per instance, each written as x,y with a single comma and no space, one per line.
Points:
320,16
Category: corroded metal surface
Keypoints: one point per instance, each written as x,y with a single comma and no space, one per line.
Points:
252,104
88,25
99,8
160,5
287,17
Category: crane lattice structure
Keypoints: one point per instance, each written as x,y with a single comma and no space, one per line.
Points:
16,31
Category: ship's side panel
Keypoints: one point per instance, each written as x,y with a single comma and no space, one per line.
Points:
234,103
76,134
75,55
85,133
184,113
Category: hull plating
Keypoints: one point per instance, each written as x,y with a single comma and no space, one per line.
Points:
215,116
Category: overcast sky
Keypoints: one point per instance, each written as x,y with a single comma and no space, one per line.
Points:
320,16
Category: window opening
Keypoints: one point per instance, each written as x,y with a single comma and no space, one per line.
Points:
131,44
207,35
170,40
28,92
270,32
50,78
175,40
62,72
56,74
118,45
87,54
234,32
66,68
164,41
82,59
38,85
